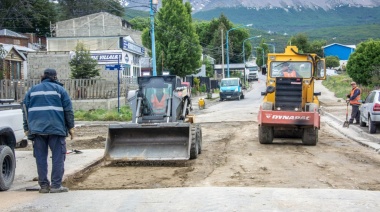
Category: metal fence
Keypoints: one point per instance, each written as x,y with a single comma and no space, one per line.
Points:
77,88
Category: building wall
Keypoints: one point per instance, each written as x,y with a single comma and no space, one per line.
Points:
343,52
98,24
14,41
91,43
39,61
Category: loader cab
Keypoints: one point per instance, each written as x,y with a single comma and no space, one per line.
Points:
293,69
156,92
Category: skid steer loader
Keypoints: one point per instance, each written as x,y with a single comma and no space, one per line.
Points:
161,127
290,107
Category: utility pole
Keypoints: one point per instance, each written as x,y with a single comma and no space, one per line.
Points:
153,2
222,54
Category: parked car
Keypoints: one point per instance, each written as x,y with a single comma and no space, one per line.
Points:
370,111
331,72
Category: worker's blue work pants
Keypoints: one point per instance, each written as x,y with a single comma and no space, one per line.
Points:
57,146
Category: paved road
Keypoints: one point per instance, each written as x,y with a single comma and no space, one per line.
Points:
184,199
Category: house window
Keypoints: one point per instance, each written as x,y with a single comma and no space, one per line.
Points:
16,42
135,71
14,70
127,71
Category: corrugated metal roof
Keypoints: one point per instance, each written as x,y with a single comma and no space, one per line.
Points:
232,66
349,46
19,48
7,32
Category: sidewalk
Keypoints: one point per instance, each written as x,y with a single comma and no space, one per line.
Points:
333,111
26,168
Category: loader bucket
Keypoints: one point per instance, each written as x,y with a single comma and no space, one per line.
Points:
139,142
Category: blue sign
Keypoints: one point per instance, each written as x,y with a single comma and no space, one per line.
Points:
128,46
112,67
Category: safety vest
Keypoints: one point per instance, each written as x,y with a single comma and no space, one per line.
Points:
157,104
356,100
290,74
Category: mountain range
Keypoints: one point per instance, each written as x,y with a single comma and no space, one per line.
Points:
204,5
342,21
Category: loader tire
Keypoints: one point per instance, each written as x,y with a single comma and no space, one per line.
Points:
7,167
199,138
194,148
265,135
310,136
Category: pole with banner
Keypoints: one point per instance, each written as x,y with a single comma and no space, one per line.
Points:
118,84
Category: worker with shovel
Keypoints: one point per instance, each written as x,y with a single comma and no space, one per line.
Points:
353,98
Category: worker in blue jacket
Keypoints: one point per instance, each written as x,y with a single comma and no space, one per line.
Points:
50,118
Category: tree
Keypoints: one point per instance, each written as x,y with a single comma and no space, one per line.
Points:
301,41
209,68
363,65
259,56
259,53
210,34
74,8
177,44
140,23
235,43
3,53
332,61
82,65
32,16
316,47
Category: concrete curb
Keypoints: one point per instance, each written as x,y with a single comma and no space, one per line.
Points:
362,138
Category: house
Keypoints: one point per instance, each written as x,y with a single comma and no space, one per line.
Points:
340,50
9,37
11,63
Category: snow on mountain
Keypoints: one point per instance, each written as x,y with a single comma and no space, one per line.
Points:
204,5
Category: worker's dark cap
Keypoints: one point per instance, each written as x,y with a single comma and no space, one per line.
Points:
49,72
284,64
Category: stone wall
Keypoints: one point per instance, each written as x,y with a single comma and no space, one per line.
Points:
39,61
93,104
59,60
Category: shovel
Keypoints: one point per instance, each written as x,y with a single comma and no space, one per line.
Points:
346,123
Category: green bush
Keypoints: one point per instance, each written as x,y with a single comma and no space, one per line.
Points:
340,85
197,82
202,88
194,91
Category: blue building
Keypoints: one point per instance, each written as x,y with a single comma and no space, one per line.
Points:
336,49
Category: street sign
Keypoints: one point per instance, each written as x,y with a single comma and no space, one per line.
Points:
112,67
